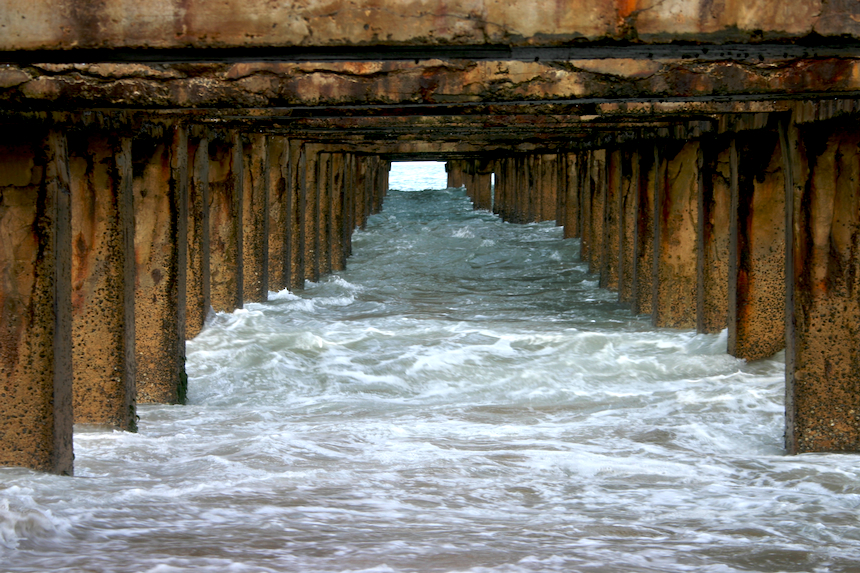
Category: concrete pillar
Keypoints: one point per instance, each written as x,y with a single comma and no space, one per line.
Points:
35,301
586,191
714,236
522,210
296,182
498,175
225,229
280,204
628,223
675,237
324,213
255,218
198,294
548,176
362,182
349,196
823,307
455,177
339,229
502,191
597,244
533,189
103,272
572,211
311,212
609,263
160,242
483,184
561,189
757,263
643,271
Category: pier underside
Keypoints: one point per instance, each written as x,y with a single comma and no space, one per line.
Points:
155,164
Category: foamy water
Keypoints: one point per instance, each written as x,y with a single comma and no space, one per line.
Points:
462,398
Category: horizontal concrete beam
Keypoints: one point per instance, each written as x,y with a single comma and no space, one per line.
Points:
421,83
186,24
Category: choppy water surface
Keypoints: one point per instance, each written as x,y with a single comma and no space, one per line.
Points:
463,398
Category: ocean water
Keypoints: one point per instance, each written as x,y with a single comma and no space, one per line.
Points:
463,398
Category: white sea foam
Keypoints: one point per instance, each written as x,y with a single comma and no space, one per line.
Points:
446,406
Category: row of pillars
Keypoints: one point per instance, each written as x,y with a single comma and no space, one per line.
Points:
756,231
114,249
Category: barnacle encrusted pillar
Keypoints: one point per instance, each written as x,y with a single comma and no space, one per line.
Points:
103,280
226,182
676,228
823,311
161,223
35,301
757,263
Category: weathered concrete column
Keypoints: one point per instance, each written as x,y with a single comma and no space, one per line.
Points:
255,218
523,191
362,183
714,235
103,276
296,182
823,310
643,271
675,237
381,184
597,236
280,207
35,301
483,184
455,173
198,293
548,176
311,212
498,175
609,260
586,191
561,189
339,229
349,196
323,211
502,199
628,223
226,181
757,264
573,201
161,223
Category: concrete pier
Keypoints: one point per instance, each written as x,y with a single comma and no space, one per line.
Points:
152,172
